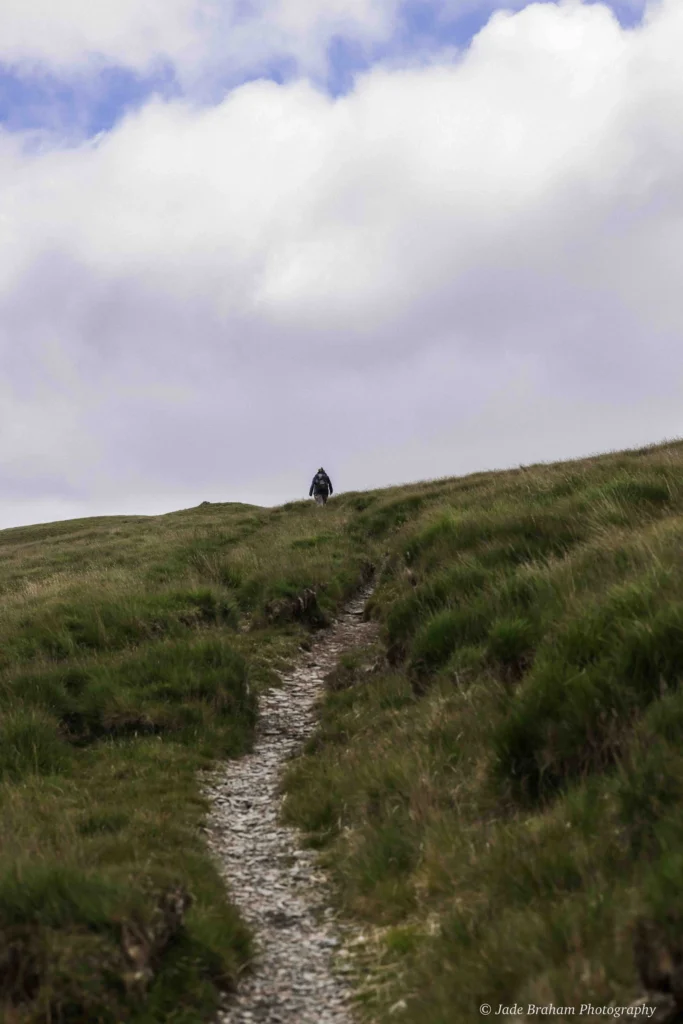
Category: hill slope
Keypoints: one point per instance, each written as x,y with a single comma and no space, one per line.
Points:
498,798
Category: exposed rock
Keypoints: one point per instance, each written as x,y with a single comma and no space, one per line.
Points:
302,608
144,944
662,1009
659,958
659,961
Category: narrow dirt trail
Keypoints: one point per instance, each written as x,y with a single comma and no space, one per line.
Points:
277,886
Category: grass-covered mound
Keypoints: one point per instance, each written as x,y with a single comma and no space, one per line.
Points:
501,803
131,654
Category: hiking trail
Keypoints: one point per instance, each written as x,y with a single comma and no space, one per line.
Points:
277,886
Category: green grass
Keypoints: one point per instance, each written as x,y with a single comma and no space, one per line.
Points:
500,807
495,786
132,651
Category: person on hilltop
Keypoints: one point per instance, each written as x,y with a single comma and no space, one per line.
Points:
321,487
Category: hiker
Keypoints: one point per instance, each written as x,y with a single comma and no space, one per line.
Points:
321,488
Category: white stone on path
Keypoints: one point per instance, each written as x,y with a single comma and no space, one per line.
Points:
278,887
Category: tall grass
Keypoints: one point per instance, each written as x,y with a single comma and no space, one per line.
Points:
132,651
502,802
495,787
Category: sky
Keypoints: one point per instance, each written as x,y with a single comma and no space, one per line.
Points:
240,239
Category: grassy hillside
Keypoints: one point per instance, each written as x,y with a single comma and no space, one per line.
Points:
131,653
496,787
500,798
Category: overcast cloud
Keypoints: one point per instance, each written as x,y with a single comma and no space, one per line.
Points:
469,260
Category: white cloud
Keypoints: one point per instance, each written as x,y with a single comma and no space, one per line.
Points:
196,37
216,298
205,41
71,31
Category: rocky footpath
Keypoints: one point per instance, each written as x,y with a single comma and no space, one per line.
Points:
278,887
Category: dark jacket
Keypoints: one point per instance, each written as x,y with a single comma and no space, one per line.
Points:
321,485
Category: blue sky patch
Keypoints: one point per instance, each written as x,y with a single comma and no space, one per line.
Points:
81,105
421,29
85,104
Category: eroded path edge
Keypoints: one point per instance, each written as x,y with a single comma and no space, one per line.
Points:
278,886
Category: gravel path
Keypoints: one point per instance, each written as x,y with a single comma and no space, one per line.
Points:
277,886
